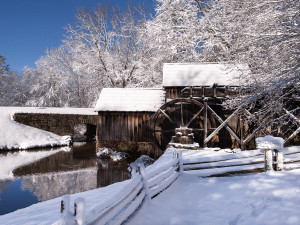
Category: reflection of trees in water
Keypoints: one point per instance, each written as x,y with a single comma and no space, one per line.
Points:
62,161
52,185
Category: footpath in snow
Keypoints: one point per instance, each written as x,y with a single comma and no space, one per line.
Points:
14,135
261,198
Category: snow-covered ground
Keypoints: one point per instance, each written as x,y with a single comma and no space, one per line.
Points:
272,198
14,135
262,198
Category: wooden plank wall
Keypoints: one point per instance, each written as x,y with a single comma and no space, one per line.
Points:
125,126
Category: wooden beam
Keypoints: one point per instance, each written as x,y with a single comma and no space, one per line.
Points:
223,124
293,135
292,116
195,116
252,135
181,113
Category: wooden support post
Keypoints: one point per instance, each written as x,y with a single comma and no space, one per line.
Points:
65,205
205,123
181,113
79,211
242,132
191,92
268,160
278,160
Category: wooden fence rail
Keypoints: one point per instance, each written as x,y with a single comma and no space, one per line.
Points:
144,185
148,182
244,162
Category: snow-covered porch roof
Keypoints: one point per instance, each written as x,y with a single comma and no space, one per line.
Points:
204,74
130,100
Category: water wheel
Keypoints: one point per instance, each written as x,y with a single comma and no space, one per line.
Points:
179,113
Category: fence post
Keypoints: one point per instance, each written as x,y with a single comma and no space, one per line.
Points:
180,162
268,160
65,206
79,211
278,160
144,178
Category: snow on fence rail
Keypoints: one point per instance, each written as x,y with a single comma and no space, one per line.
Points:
145,184
248,161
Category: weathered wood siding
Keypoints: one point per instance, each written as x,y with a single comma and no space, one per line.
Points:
125,126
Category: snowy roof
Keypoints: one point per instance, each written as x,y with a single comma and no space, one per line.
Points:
183,74
269,142
130,99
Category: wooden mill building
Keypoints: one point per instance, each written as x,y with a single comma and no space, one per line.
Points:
144,120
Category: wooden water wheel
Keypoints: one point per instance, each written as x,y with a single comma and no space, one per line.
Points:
180,113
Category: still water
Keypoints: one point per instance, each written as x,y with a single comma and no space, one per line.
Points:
28,177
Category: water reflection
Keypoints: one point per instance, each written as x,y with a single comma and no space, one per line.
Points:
65,172
52,185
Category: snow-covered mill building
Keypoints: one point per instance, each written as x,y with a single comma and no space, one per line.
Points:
145,120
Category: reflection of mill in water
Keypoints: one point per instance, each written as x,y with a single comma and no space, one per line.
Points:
70,172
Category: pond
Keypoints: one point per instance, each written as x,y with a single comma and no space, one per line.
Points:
28,177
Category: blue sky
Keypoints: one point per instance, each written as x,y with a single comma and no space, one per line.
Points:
29,27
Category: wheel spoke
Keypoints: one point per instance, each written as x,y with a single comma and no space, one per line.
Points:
166,115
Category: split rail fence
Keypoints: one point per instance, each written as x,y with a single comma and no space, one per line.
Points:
245,162
144,185
148,182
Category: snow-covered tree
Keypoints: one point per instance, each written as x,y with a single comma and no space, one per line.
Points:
174,34
265,36
12,90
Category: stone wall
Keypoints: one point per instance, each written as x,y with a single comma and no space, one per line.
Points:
61,124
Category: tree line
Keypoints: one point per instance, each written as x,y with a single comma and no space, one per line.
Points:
112,47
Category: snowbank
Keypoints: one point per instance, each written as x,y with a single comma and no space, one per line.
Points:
14,135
